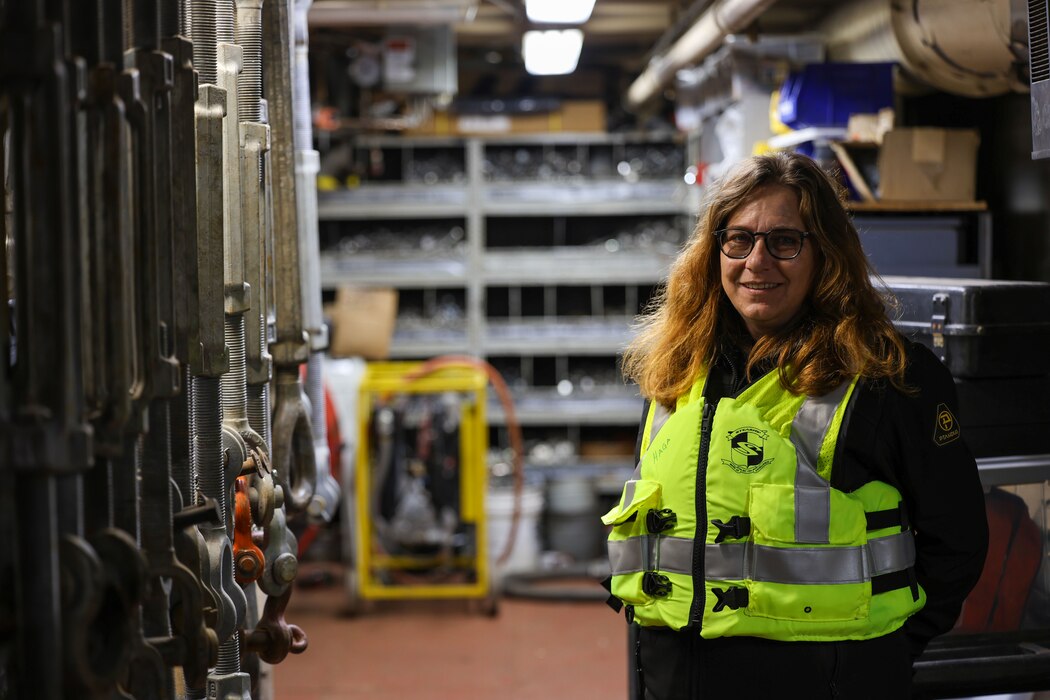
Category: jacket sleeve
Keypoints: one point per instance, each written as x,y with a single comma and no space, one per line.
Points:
938,477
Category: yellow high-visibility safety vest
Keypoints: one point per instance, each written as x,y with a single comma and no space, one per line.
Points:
730,525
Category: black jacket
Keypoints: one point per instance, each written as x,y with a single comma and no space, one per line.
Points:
912,441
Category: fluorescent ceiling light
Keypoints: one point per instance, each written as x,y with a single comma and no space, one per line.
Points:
559,11
552,52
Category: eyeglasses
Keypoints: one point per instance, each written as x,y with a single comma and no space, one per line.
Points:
782,243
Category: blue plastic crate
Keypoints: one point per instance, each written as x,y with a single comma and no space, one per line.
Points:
826,94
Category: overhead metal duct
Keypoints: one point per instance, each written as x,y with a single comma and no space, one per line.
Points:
723,18
343,13
973,48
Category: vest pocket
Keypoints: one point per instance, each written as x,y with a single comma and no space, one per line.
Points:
639,495
809,603
807,559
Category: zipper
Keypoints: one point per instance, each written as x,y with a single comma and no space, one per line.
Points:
700,538
734,378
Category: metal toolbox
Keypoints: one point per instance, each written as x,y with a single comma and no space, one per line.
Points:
978,328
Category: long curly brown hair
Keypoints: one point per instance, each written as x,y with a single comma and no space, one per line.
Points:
844,331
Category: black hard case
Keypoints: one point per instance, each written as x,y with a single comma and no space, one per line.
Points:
979,328
1004,415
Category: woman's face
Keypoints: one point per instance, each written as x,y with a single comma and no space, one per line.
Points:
768,293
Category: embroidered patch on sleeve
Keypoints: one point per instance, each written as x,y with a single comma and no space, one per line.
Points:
946,428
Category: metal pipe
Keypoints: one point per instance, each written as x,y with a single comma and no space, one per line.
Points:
723,18
354,13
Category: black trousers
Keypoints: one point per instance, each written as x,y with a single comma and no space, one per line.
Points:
682,666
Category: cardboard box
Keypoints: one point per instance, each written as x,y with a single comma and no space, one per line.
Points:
581,116
363,322
929,164
572,116
870,128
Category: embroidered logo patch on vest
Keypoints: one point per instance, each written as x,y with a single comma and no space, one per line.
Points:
947,428
748,448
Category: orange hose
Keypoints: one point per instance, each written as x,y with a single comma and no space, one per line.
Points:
513,428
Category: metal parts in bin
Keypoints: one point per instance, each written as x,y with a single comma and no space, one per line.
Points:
420,485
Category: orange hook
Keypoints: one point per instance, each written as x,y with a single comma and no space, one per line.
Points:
249,560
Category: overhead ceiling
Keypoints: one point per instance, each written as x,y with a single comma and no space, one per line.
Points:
621,37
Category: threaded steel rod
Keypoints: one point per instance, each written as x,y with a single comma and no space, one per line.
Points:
208,418
205,46
234,396
249,36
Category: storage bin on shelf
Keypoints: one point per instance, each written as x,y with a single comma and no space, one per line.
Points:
826,94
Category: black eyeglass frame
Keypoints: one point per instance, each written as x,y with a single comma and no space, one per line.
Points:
754,239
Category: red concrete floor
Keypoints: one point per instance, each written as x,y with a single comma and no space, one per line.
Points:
438,650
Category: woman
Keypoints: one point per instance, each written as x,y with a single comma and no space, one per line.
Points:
800,524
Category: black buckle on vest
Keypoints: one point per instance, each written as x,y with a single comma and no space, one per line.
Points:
733,598
659,520
656,585
628,613
738,526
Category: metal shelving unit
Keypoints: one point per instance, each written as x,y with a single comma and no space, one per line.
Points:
376,270
494,180
566,266
550,336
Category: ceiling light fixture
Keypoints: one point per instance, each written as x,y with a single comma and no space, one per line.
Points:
559,11
551,52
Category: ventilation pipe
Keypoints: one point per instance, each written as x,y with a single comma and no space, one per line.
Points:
974,48
345,13
723,18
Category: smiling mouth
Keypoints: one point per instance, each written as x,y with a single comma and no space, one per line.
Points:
759,287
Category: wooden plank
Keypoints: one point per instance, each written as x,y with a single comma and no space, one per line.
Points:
916,206
852,172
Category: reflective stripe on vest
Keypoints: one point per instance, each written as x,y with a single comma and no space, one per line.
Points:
812,493
651,552
732,562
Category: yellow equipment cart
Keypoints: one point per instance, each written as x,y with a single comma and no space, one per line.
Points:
419,485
